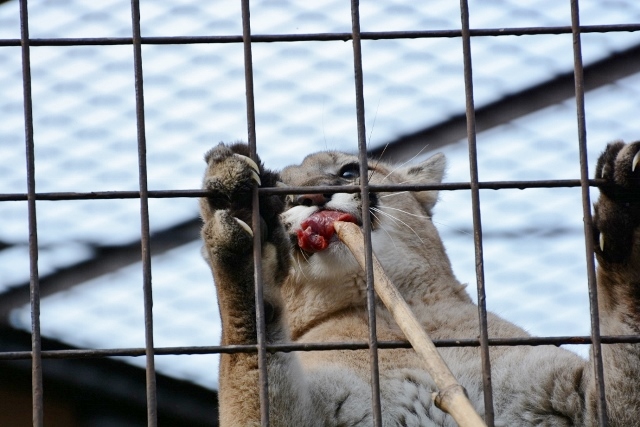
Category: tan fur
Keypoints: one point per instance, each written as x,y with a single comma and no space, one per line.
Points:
320,297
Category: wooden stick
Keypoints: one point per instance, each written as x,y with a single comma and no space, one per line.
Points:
451,397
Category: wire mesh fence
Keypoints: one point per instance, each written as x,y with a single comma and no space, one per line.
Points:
248,40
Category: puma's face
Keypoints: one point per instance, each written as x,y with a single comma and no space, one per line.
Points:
397,218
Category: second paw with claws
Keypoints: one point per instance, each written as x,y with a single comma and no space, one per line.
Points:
617,212
230,176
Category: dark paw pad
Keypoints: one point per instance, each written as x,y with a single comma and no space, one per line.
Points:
617,212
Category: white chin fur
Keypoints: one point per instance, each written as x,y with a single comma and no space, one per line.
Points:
335,261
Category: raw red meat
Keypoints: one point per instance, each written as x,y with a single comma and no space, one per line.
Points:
317,230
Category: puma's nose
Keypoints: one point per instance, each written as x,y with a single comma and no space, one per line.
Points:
313,199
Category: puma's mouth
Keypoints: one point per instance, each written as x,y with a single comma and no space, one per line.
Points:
316,232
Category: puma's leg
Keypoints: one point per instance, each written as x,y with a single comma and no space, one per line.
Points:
228,247
617,242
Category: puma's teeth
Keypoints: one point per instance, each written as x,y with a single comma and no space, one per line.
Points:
250,162
602,242
636,160
244,225
256,178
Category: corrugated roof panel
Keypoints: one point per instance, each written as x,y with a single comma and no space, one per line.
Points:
598,12
110,310
50,259
535,270
516,13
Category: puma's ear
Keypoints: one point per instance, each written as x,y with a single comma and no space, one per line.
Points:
430,171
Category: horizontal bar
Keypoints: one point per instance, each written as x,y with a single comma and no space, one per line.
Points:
162,194
279,38
251,348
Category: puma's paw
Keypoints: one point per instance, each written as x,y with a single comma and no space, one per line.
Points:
227,239
229,177
227,209
617,212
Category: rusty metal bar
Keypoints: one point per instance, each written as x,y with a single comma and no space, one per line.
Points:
446,186
477,220
324,346
152,400
366,218
596,347
37,390
282,38
261,332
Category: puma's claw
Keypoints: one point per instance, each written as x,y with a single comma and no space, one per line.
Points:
617,211
244,225
249,161
256,178
255,173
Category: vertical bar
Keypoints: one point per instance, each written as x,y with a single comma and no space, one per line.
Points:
152,416
477,220
263,381
37,391
366,219
596,346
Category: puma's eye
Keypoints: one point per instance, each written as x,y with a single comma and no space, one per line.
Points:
350,171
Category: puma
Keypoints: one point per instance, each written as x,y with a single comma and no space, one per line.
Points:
314,291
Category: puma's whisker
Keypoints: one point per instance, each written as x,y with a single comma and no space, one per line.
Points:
375,116
300,269
304,255
405,212
398,220
383,228
457,230
406,162
427,218
373,170
393,194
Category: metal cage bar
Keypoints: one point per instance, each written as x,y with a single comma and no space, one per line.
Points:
485,360
255,221
596,350
448,186
373,35
325,346
37,390
262,348
152,398
366,219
